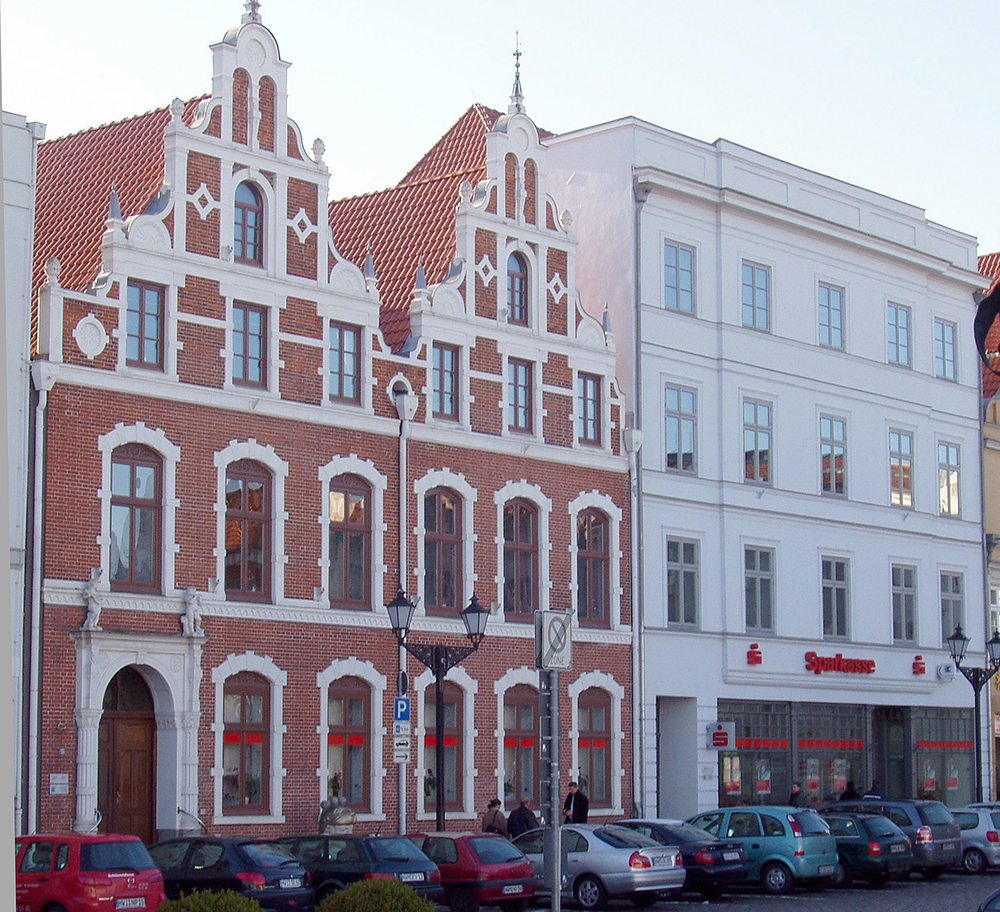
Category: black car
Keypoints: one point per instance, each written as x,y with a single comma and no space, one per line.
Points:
258,868
711,864
870,847
334,861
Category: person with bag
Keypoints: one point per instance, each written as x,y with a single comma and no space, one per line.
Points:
494,820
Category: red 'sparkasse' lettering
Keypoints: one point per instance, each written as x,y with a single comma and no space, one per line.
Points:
817,664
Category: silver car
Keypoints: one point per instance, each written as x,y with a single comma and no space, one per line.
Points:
604,860
980,837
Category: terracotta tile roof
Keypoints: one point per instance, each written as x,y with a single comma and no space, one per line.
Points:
989,266
74,188
413,219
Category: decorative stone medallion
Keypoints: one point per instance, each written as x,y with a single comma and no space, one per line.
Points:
91,337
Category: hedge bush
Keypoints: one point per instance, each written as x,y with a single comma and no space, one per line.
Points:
375,896
206,901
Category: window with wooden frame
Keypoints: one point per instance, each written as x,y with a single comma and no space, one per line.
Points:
248,531
345,362
517,290
144,320
451,779
246,716
249,344
443,552
519,395
444,382
520,745
136,518
350,542
248,226
520,560
592,568
594,746
589,408
349,742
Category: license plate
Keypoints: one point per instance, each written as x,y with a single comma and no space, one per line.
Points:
899,847
513,888
947,847
290,883
411,876
730,856
131,902
826,869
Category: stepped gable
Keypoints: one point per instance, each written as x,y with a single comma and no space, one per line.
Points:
74,188
989,265
414,219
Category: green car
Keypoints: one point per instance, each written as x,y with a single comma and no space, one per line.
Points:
870,847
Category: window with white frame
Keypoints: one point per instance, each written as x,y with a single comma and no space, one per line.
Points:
944,349
756,295
952,602
245,743
589,409
901,469
758,571
756,441
948,478
444,381
831,315
349,741
904,603
833,455
681,427
682,582
345,362
451,778
899,334
835,592
249,344
678,277
519,395
594,746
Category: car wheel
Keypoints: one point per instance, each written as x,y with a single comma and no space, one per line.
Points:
590,893
643,900
932,873
842,875
777,878
462,899
974,861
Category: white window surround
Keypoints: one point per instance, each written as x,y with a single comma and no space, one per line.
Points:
598,501
604,404
148,276
170,453
247,293
423,687
363,468
273,240
602,681
353,667
463,397
266,668
537,412
530,492
445,478
265,455
536,317
512,678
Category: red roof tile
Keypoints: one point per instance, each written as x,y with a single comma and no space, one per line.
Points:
989,266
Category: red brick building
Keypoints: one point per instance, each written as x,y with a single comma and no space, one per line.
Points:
262,416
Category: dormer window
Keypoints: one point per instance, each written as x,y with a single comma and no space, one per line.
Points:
248,228
517,290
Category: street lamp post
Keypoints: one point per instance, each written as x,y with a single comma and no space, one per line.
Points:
958,642
440,660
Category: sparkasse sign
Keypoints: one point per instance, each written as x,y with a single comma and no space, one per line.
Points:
817,664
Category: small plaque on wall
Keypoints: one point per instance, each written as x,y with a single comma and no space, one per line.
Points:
59,784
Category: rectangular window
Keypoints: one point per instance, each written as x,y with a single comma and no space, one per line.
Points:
831,315
758,564
444,382
899,334
519,395
249,344
682,582
833,454
681,417
904,603
589,406
345,362
944,349
144,325
835,582
901,468
756,441
948,478
952,603
678,277
756,295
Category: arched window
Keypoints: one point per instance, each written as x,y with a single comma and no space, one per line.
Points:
520,745
442,551
349,742
350,542
248,229
246,715
520,559
248,531
451,779
517,289
136,518
592,568
594,746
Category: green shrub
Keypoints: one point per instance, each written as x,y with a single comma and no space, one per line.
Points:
204,901
375,896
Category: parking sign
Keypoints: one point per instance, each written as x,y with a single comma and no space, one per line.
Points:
401,709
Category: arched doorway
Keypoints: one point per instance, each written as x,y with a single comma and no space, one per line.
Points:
126,757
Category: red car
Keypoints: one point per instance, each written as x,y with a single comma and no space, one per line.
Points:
95,872
479,869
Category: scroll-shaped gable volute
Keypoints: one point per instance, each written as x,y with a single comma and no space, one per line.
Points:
593,333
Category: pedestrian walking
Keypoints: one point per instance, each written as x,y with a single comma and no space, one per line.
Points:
576,807
522,819
494,820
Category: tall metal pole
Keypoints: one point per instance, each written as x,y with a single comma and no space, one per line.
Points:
978,741
555,806
440,670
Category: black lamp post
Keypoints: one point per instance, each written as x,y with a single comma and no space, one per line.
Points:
440,660
958,642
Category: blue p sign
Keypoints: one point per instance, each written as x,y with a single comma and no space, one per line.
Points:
401,710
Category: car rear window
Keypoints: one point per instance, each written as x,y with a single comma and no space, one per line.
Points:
842,826
623,838
398,849
495,851
811,823
882,826
685,832
995,818
115,856
967,820
934,814
267,854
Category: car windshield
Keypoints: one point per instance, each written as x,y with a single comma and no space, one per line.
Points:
934,813
495,851
267,854
115,856
623,838
811,823
395,849
882,826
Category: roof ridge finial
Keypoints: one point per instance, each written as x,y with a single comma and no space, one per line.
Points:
421,279
114,206
252,13
516,95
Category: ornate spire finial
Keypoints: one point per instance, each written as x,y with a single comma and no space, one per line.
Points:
114,207
516,96
421,279
252,13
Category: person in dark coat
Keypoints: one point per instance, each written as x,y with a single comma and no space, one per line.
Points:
850,793
576,806
522,819
797,798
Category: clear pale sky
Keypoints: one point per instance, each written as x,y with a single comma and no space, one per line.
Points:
900,98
